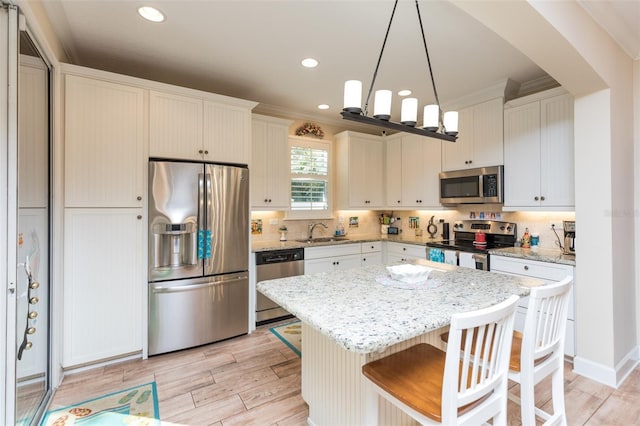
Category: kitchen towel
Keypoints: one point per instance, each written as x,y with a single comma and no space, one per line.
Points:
450,257
466,260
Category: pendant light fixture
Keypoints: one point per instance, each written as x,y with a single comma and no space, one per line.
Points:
435,124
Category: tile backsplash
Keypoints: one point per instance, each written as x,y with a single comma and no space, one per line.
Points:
368,222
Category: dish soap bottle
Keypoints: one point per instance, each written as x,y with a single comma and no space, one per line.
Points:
526,239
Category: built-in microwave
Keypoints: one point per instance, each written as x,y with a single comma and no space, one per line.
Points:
472,186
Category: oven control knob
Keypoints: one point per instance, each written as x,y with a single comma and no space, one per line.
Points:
509,228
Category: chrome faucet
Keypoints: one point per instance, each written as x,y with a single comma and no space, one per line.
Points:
312,226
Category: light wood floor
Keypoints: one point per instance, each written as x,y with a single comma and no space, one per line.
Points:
255,379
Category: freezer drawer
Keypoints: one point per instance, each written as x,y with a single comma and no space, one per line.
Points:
188,313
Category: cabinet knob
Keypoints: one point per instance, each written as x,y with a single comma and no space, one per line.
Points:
542,198
398,201
199,151
32,315
526,268
470,161
31,330
206,152
372,247
34,285
404,249
269,199
139,217
364,259
28,346
536,198
34,300
139,198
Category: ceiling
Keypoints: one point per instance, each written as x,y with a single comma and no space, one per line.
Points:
252,49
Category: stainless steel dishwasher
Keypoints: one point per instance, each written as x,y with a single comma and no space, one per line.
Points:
271,265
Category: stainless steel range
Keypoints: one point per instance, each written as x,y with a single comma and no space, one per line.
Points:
473,239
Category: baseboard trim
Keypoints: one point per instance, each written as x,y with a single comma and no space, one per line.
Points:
613,377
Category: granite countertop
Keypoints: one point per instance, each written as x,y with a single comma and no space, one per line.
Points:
363,315
258,246
539,254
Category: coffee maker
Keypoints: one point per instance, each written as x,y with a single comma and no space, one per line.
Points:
569,236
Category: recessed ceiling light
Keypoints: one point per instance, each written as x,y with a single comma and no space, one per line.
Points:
151,13
405,92
309,63
323,106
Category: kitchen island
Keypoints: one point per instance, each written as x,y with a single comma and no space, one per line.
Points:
352,317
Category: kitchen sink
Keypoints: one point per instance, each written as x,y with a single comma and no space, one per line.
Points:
322,240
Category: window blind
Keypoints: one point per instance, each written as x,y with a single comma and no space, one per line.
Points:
309,178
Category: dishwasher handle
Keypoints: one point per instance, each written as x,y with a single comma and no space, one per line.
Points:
192,287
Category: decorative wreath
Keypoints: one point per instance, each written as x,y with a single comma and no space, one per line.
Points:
310,129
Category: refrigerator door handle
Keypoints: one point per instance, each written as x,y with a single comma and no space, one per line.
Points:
183,288
209,200
201,234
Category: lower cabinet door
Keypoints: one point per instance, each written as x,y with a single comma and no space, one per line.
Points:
103,284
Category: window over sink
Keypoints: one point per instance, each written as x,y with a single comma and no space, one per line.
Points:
310,182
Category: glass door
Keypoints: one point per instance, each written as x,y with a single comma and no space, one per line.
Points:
32,320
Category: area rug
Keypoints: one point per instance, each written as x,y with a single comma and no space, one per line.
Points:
291,335
137,406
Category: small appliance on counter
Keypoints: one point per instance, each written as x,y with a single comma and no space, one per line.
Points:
569,227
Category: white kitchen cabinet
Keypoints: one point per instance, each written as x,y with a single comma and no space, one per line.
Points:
104,281
270,163
371,253
539,152
192,128
549,273
331,258
104,143
400,252
480,137
175,126
360,170
227,133
412,168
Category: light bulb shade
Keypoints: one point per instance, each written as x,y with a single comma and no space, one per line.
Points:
450,122
409,112
430,117
353,96
382,105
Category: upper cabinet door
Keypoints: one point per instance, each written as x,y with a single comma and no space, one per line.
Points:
104,144
175,126
557,151
488,134
480,137
226,133
270,163
522,155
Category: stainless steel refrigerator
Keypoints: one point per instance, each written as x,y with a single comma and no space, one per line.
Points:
198,253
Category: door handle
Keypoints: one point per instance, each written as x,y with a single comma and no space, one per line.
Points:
183,288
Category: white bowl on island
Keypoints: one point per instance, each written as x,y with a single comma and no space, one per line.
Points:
409,273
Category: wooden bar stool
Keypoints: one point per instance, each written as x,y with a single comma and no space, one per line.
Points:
467,384
539,351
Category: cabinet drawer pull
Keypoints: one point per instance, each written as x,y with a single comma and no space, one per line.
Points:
526,268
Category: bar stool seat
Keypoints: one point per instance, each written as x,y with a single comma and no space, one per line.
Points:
467,384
